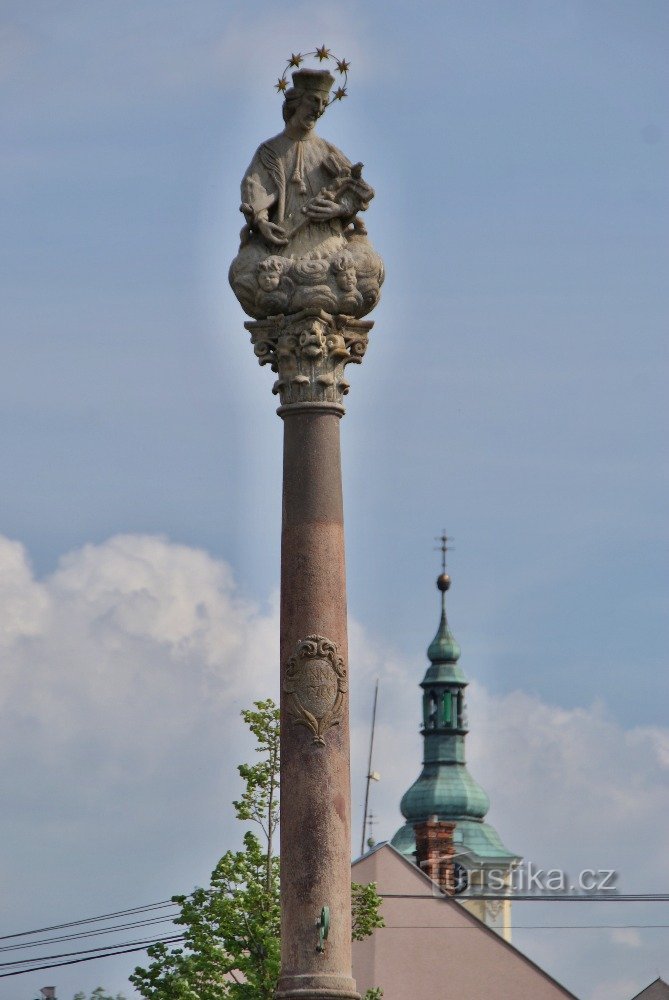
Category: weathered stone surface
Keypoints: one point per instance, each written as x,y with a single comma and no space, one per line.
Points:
309,352
315,781
304,245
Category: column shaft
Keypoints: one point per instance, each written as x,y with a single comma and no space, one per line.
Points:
315,767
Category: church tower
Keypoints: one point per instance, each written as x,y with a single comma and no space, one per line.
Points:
445,789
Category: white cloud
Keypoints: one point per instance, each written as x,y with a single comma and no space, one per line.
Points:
594,785
124,673
134,617
628,936
24,603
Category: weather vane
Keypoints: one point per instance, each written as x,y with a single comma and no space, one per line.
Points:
323,55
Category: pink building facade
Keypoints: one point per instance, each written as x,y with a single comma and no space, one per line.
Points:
432,946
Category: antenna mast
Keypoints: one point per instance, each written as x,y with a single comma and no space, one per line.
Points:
371,775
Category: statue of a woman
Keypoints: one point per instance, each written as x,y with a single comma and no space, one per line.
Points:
303,246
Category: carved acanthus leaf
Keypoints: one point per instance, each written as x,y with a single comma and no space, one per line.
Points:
309,352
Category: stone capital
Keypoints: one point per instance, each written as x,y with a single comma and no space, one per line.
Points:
309,351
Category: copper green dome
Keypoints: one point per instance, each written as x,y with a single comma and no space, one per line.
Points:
443,648
444,653
448,792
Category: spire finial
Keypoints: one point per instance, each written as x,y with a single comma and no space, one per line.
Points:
444,648
444,580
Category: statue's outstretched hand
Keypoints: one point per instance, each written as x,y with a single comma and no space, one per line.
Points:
322,208
272,233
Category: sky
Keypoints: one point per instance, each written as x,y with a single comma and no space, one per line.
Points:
513,393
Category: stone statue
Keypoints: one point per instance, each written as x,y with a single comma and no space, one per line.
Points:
305,269
303,245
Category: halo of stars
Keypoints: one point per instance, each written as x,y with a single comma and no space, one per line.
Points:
323,54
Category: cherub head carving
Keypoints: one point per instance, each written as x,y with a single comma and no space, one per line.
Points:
270,272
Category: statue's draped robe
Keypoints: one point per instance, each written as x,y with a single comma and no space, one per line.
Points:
284,175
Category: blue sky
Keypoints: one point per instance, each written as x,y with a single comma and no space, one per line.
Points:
514,391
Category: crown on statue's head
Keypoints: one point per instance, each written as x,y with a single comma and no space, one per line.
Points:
315,81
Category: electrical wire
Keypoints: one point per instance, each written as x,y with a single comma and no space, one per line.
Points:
131,947
85,934
648,897
90,958
527,927
147,942
124,950
108,951
91,920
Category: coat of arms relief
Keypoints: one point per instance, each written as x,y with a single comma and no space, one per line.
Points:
316,683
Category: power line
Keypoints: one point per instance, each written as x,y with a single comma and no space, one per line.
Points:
85,934
91,958
649,897
134,946
101,950
91,920
175,940
527,927
138,946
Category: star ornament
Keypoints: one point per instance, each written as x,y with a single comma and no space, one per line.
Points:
322,54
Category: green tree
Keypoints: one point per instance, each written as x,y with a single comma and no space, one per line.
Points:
233,927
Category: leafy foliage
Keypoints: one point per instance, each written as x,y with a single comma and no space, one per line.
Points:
99,993
231,943
365,903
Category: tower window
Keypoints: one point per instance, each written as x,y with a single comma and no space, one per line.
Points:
448,708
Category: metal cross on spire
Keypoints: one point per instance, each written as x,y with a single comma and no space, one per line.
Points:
443,547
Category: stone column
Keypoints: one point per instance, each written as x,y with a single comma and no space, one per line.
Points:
309,353
307,273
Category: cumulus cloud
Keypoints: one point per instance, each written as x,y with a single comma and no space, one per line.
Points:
587,773
124,672
132,633
628,936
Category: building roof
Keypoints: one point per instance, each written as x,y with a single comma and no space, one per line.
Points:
433,946
657,990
